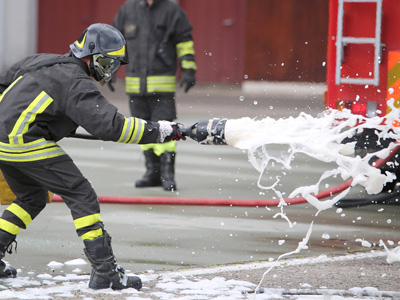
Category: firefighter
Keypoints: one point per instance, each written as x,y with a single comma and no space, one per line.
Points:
158,33
44,98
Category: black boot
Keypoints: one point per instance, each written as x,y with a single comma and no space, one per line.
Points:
6,239
105,271
152,175
168,171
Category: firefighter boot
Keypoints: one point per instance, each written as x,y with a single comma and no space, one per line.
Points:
168,171
6,239
106,273
152,175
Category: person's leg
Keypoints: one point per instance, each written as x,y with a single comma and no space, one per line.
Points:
167,154
140,107
80,197
62,177
152,162
164,109
30,200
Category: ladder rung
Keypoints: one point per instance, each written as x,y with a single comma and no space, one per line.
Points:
357,80
356,40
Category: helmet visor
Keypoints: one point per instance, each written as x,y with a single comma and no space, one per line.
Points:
105,66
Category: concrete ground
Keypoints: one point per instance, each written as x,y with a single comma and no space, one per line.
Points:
169,237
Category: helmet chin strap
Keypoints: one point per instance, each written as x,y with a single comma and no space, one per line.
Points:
93,71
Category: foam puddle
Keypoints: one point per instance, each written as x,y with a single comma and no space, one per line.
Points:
320,138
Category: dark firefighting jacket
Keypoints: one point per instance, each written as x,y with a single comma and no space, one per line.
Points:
156,37
42,106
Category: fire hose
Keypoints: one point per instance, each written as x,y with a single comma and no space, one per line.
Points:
212,132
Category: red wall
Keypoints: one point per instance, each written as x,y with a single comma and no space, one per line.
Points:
232,38
218,34
62,22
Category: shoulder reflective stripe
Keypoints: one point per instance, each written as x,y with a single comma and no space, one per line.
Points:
39,104
132,85
138,133
91,235
161,84
33,151
188,64
21,213
9,87
184,48
87,221
9,227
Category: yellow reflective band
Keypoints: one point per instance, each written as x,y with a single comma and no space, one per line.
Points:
126,131
80,45
91,235
132,85
21,213
39,104
161,84
138,133
32,156
184,48
188,64
87,221
118,52
160,148
33,151
133,131
9,227
9,87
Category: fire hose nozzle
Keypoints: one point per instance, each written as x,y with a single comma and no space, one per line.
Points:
208,132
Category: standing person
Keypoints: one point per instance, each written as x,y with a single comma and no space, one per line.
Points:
44,98
158,33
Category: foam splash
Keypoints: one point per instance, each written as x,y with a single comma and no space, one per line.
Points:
320,138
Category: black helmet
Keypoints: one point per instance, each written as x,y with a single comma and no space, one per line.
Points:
106,46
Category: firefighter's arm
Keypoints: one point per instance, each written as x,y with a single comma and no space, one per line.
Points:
138,131
185,51
93,112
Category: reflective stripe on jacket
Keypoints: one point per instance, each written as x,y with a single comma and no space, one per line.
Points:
42,106
156,37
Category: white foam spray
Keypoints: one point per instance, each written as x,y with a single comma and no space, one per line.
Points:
320,138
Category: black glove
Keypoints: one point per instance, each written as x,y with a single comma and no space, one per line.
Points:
171,131
178,132
188,78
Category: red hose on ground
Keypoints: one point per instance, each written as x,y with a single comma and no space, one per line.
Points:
229,202
213,201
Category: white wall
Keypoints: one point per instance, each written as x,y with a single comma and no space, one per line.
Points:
18,30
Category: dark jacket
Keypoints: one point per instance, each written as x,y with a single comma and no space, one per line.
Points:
42,106
156,36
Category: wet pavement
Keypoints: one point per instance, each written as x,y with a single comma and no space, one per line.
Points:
157,237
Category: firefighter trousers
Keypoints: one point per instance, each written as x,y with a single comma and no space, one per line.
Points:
30,182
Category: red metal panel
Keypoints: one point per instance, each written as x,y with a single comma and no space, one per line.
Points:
359,21
218,33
